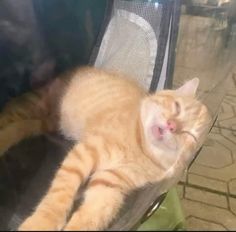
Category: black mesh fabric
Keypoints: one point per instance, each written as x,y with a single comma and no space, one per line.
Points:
149,22
135,41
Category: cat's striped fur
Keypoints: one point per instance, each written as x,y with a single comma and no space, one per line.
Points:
31,114
112,117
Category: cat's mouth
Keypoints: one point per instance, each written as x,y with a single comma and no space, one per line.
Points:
158,132
163,136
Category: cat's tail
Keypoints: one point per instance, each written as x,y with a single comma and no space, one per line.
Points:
15,132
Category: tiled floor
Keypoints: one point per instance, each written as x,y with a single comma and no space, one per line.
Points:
208,189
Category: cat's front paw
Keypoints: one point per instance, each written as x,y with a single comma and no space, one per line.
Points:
79,227
37,224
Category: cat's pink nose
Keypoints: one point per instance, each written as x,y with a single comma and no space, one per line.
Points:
171,125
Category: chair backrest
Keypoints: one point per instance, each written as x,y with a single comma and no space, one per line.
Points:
139,38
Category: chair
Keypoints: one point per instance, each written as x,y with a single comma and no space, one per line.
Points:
134,37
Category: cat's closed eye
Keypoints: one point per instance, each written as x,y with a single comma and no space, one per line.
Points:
177,108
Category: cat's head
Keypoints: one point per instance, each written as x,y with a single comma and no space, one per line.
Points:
171,118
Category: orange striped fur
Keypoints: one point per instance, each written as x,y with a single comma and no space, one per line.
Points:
112,117
34,113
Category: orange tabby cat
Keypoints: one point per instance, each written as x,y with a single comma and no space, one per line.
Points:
127,139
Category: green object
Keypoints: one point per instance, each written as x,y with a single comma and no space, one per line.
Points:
169,216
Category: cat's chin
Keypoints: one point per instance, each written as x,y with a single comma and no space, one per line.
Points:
166,146
168,143
171,145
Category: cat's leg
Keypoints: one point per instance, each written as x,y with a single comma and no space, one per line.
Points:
103,199
52,211
15,132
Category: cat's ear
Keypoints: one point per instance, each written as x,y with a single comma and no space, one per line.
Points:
189,88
